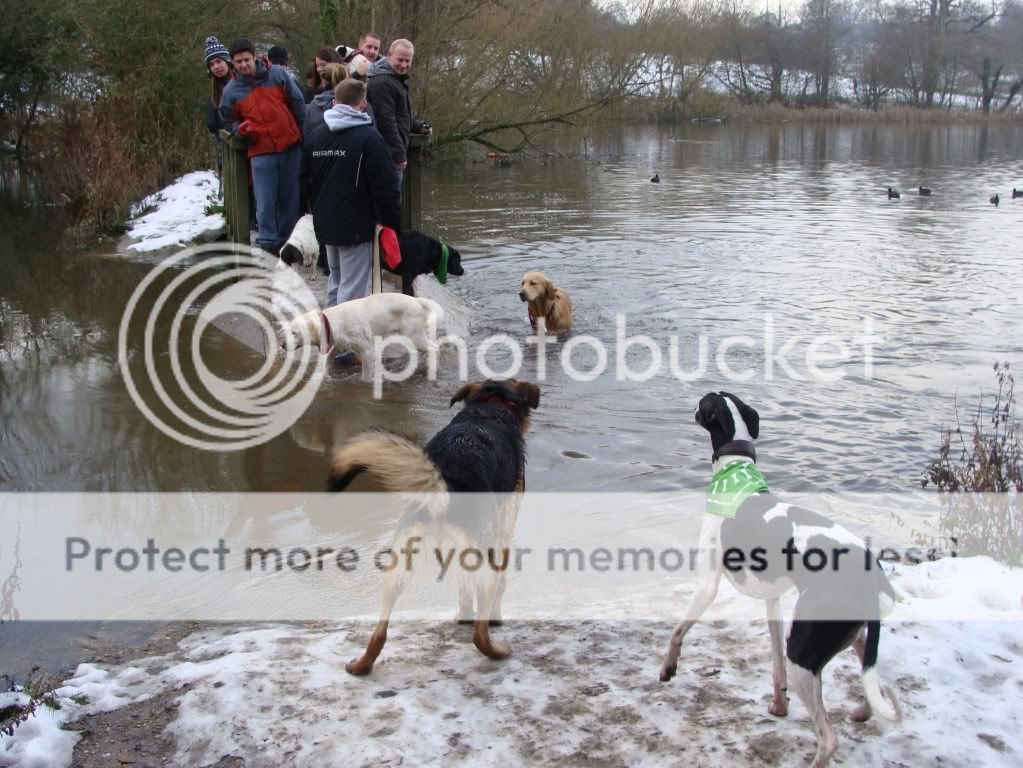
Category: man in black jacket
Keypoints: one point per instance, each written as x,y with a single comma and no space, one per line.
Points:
392,105
351,186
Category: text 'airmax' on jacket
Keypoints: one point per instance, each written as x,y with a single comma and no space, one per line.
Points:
351,178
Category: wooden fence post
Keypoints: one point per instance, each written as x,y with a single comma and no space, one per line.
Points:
412,189
236,187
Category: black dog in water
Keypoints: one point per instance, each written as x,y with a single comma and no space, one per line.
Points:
421,255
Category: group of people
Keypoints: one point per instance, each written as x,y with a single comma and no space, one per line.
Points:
336,148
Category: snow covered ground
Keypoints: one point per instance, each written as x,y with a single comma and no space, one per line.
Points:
176,216
574,692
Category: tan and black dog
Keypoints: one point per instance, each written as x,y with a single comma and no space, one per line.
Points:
468,481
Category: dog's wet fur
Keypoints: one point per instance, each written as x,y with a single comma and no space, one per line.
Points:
469,477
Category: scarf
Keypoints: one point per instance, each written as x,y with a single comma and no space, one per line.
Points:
732,486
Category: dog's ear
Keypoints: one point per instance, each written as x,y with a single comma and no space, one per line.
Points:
747,413
751,417
529,392
466,392
549,291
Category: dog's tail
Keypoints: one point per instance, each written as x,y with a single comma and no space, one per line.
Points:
434,311
882,701
398,464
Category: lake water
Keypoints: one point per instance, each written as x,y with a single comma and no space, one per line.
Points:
753,230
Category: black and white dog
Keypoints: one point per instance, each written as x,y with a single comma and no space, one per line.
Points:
301,247
841,601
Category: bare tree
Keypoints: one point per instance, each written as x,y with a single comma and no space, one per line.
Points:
876,60
501,74
824,24
678,36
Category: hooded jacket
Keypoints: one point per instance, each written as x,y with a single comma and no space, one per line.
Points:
316,108
271,101
351,178
392,107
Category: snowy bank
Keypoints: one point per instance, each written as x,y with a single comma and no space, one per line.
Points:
579,692
176,216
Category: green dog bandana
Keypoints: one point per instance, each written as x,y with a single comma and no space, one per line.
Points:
441,272
732,486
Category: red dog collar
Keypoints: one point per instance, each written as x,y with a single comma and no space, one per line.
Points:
324,334
508,404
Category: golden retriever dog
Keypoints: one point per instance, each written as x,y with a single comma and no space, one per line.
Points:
550,309
466,485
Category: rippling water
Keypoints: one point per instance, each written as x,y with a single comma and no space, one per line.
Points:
750,225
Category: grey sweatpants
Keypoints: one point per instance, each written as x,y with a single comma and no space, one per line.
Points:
350,268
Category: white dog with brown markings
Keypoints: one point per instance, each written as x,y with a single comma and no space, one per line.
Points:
550,309
357,325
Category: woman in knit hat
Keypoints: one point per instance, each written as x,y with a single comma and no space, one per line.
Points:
218,67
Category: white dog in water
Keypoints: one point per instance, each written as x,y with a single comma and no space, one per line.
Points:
355,325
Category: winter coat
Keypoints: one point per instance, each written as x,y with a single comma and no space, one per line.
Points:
351,178
392,108
213,120
320,104
314,110
271,101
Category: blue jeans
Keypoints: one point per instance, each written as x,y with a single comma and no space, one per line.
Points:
399,179
275,185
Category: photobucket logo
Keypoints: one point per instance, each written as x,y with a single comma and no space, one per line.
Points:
641,357
174,387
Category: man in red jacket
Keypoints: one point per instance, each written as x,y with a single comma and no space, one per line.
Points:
264,105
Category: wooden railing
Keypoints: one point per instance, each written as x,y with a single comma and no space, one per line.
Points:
236,187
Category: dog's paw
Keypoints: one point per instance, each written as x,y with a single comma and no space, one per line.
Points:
499,651
779,707
490,649
861,714
358,668
668,671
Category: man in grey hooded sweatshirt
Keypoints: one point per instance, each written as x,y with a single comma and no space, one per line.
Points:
351,187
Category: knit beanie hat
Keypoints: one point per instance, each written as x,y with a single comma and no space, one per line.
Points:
215,50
